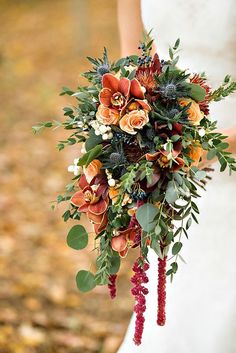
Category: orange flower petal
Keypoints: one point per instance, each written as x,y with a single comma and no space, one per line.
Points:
83,182
78,199
111,82
92,170
123,253
152,156
136,89
97,219
144,104
98,208
124,86
105,97
119,243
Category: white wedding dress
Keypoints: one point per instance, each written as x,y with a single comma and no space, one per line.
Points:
201,301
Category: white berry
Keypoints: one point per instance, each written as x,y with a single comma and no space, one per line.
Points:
111,182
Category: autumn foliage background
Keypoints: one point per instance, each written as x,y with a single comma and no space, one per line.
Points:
43,46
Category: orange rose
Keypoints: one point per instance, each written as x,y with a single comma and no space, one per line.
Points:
136,119
194,113
92,170
107,116
195,153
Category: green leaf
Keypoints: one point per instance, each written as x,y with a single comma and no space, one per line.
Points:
196,92
200,174
189,222
90,155
171,192
157,229
92,141
174,266
176,248
145,216
115,264
211,154
77,237
85,281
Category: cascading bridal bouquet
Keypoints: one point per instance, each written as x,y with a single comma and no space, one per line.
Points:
144,126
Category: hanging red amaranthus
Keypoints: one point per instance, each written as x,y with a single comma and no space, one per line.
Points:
112,286
139,291
161,290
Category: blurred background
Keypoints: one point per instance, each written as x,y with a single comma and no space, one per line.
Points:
43,45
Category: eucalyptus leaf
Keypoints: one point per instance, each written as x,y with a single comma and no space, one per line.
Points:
85,281
176,248
77,237
145,216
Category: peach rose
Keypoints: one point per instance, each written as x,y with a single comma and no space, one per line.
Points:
92,170
194,113
195,153
107,116
136,119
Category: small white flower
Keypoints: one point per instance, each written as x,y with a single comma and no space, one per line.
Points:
74,168
105,137
102,129
202,132
143,89
111,182
110,135
97,132
80,124
76,160
71,168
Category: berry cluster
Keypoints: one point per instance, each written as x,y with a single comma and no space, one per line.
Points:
138,195
112,286
139,291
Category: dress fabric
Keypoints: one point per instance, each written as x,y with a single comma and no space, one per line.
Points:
201,301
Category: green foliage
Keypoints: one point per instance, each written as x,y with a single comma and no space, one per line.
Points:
85,281
227,88
77,237
145,216
196,92
90,155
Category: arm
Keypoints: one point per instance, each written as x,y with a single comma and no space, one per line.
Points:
231,133
130,25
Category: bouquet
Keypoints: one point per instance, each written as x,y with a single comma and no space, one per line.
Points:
144,127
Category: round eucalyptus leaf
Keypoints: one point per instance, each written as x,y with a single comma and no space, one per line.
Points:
77,237
85,281
145,216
